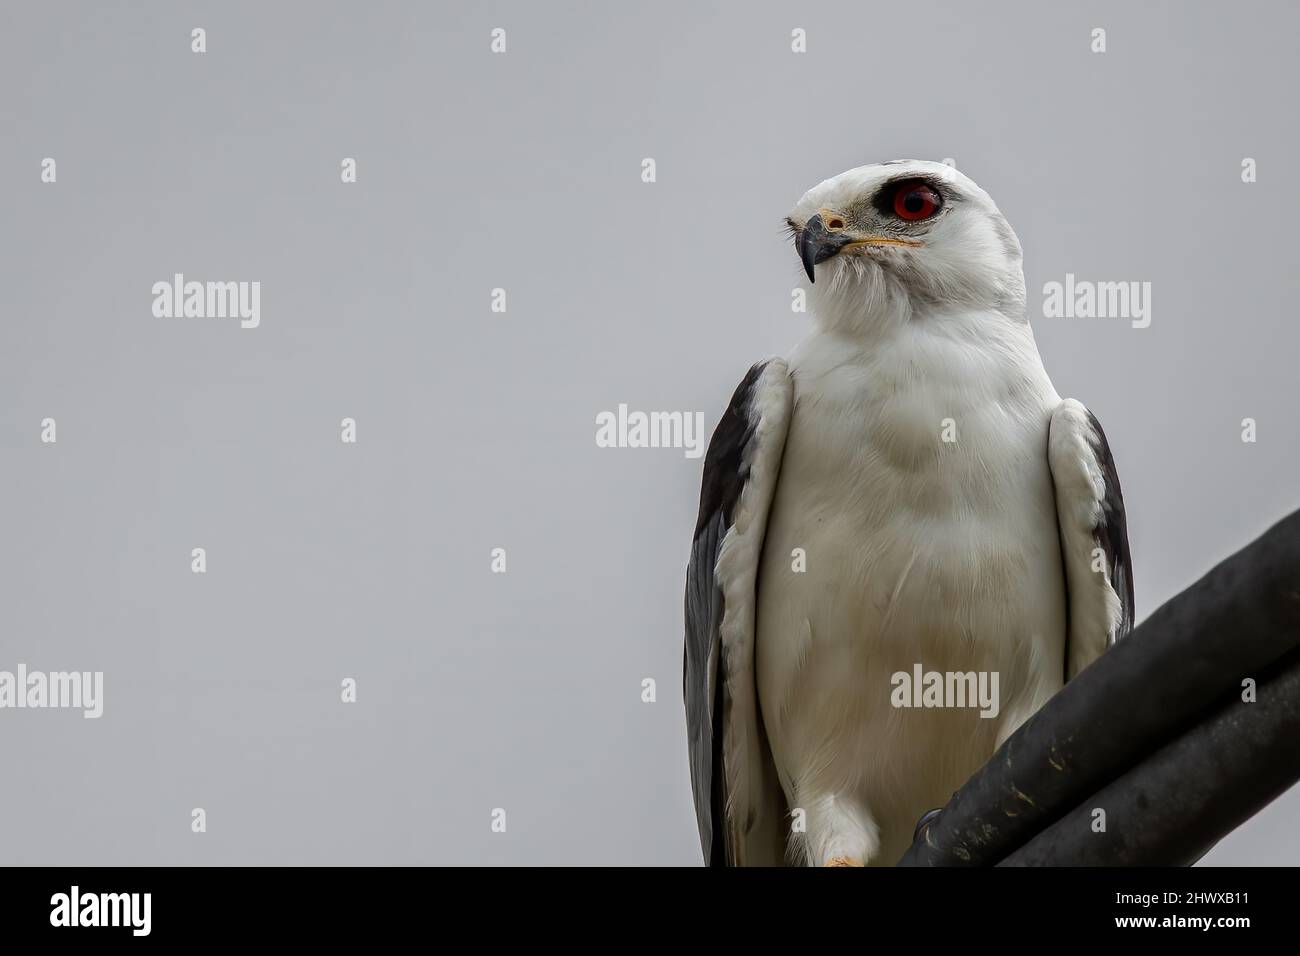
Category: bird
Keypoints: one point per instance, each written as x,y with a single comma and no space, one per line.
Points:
904,489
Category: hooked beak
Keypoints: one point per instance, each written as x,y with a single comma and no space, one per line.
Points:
816,243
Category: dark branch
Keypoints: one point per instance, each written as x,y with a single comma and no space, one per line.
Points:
1159,709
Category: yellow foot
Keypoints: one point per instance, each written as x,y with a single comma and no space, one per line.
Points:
843,861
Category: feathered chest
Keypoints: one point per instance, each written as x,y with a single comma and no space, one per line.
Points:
915,484
935,433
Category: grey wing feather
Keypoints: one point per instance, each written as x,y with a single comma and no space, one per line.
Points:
1093,523
711,719
702,690
1111,531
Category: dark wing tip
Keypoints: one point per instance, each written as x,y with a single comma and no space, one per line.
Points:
1111,532
725,471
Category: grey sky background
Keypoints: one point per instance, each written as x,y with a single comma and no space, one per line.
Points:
476,430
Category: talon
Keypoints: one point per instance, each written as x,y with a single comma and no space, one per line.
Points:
926,819
843,861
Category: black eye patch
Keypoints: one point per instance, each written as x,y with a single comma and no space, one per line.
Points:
910,198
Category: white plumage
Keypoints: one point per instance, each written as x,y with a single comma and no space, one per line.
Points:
949,507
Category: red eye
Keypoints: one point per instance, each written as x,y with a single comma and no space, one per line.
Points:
915,201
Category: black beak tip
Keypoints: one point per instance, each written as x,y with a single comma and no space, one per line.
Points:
808,243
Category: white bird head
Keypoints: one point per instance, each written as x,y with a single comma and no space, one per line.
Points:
903,238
